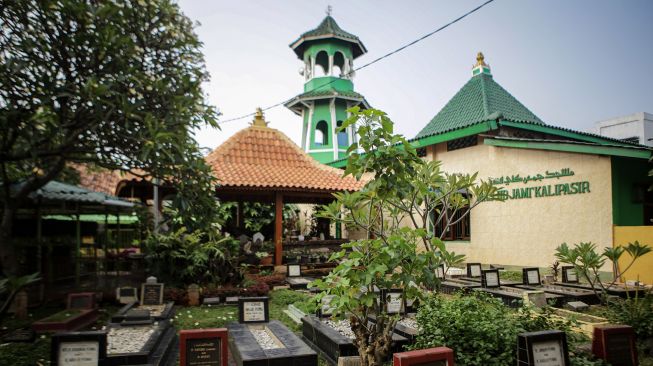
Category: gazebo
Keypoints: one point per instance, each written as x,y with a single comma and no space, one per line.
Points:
261,164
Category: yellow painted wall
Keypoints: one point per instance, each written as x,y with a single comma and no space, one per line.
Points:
525,232
642,270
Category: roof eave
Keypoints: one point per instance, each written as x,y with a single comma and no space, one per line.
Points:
357,51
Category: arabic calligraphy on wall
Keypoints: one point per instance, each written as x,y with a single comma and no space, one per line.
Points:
560,189
566,172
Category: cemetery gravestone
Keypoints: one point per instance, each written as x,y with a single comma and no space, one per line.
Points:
325,306
490,278
615,344
531,276
473,270
151,293
126,295
439,272
545,348
439,356
193,295
394,301
20,304
81,300
569,274
151,279
203,347
79,349
294,270
253,310
536,298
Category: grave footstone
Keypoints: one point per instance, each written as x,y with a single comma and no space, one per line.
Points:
231,300
20,336
126,295
615,344
535,298
20,305
193,295
438,356
569,274
544,348
531,276
211,301
473,270
203,347
151,293
81,300
79,349
253,310
576,306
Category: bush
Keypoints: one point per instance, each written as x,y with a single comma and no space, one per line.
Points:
483,331
636,312
480,328
254,289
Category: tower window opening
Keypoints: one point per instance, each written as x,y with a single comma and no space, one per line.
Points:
321,133
322,60
343,139
339,64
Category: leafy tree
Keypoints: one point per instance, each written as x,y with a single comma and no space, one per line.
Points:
404,189
588,262
116,84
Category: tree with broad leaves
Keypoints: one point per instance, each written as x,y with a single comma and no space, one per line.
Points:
114,84
398,209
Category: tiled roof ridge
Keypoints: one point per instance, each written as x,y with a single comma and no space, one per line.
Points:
486,104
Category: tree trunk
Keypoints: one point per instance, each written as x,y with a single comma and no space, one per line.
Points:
373,345
8,262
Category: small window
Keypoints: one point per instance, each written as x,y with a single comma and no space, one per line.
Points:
343,139
321,133
460,228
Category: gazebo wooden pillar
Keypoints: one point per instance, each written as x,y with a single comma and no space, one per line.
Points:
278,227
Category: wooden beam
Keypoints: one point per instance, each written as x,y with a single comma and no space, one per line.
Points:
278,227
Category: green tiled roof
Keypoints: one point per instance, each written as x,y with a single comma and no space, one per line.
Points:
328,28
325,93
63,192
481,99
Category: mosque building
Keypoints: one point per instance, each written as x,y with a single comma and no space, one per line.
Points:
560,185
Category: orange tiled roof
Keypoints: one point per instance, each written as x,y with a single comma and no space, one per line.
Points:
102,180
262,157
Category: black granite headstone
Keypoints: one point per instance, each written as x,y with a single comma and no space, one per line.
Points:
490,278
473,270
253,310
531,276
545,348
151,294
569,274
79,349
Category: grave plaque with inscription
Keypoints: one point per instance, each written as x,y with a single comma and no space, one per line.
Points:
531,276
203,347
545,348
615,344
294,270
439,356
569,274
490,278
126,295
473,270
395,303
253,310
152,294
79,349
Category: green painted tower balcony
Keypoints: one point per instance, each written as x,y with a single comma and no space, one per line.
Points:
328,54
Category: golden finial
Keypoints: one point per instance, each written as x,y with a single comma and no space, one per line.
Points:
258,118
480,60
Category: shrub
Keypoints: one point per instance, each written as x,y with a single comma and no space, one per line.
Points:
178,295
254,289
483,331
480,328
636,312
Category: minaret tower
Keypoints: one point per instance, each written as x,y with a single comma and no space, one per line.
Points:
328,53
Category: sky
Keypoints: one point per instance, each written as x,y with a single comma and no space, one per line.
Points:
572,63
